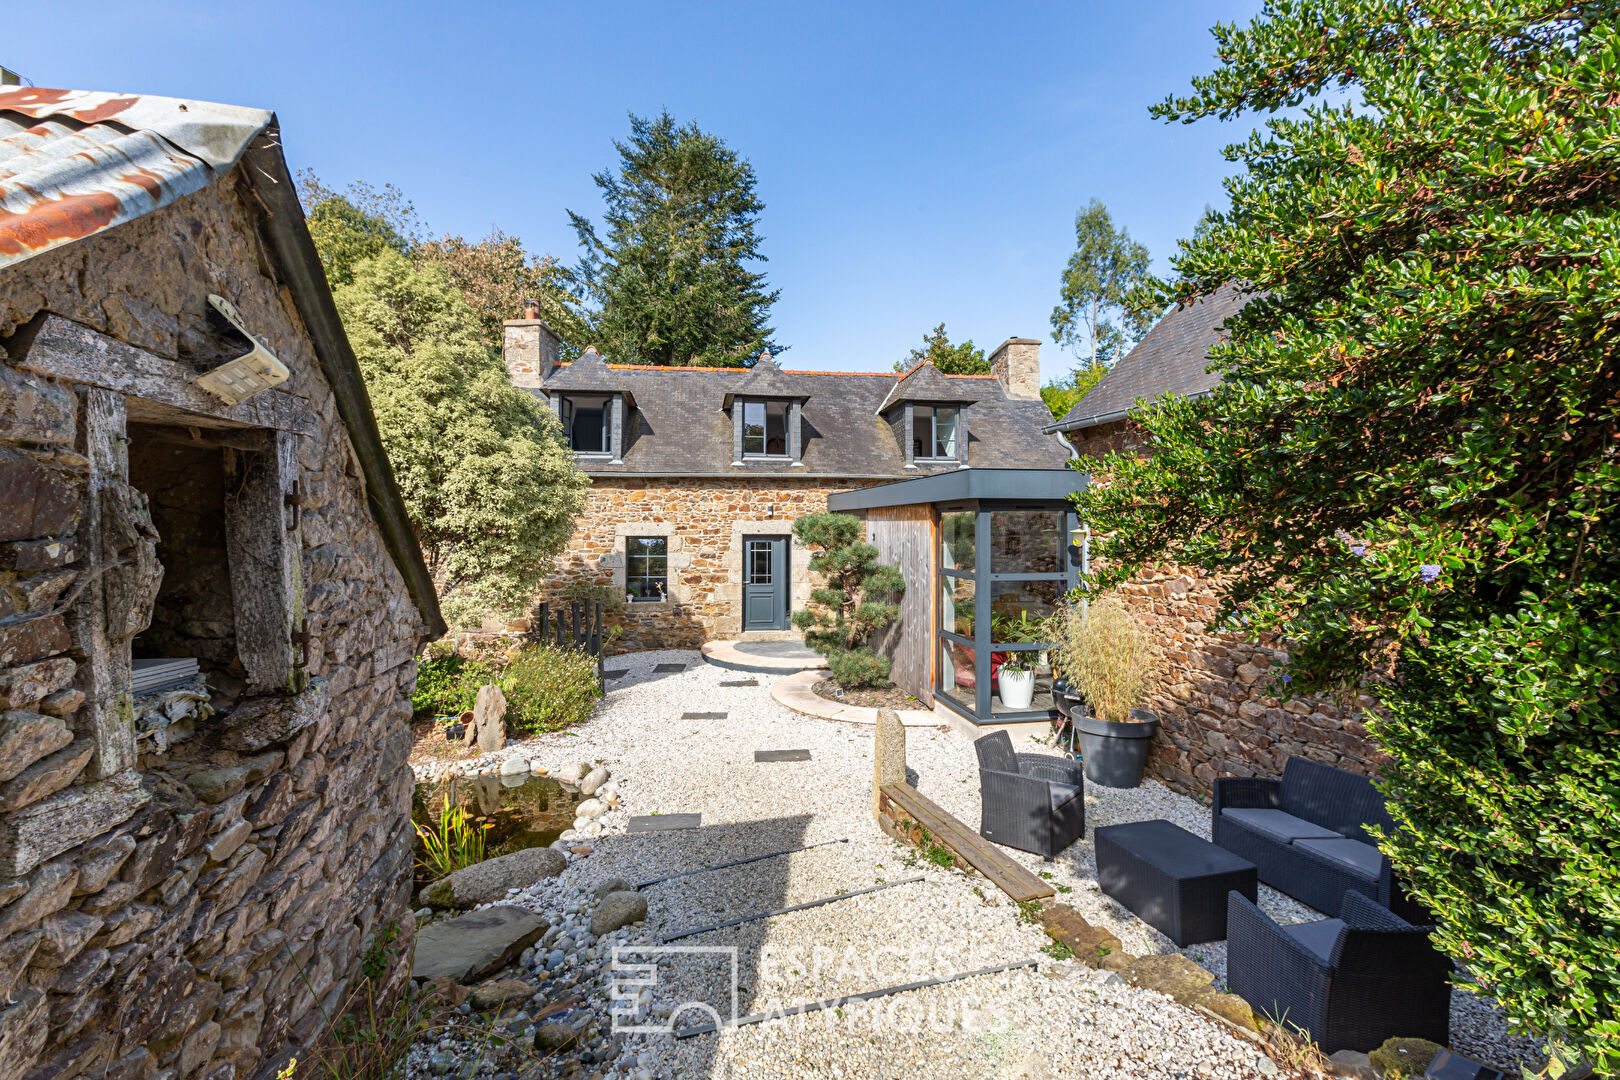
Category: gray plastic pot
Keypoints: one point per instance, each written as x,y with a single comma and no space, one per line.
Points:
1115,755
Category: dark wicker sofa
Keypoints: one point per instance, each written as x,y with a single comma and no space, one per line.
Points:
1032,802
1306,834
1351,982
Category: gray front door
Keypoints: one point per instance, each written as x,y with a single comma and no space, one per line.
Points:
765,583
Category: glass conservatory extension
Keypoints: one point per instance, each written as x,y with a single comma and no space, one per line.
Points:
1003,556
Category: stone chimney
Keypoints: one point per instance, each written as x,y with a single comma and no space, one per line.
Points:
1017,366
530,348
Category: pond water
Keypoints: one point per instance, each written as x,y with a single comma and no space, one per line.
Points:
521,811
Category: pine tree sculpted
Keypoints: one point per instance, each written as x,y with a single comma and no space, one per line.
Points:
856,602
1412,468
670,282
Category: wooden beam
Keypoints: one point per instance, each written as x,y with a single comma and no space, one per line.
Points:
902,801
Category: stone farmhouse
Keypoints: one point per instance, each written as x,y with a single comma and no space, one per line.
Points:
210,604
697,474
1220,711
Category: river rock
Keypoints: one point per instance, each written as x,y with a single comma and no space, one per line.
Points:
497,992
553,1037
613,885
477,944
573,774
617,910
486,882
590,808
593,781
515,766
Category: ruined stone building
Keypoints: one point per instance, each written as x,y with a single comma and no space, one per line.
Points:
210,604
697,474
1221,711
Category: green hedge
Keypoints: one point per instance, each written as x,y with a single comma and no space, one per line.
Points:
546,688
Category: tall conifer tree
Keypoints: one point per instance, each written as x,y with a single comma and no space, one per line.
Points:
671,281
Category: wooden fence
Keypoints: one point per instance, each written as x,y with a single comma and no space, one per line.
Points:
572,624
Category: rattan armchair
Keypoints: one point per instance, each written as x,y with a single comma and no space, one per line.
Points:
1032,802
1351,982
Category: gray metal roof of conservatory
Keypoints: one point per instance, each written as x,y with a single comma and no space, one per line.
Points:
1015,485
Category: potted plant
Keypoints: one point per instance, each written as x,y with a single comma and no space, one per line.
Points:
1113,664
1021,630
1017,680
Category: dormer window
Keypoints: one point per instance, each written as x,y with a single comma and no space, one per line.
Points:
765,428
933,432
587,420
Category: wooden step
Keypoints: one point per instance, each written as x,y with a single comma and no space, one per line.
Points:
1007,873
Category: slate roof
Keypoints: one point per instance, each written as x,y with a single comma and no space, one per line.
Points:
680,427
924,383
766,380
1171,359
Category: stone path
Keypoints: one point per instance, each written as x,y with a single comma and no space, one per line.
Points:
1061,1019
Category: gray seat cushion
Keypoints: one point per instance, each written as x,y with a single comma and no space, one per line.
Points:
1062,793
1363,859
1317,937
1279,825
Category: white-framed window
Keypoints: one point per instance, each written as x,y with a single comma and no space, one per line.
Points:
646,568
765,428
586,418
933,432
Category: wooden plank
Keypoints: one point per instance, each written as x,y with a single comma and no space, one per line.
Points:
75,353
665,822
781,755
1009,875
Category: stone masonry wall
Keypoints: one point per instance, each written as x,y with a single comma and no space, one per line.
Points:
705,520
1222,712
187,914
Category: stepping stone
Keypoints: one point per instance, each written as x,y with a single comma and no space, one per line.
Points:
739,682
476,944
665,822
617,673
703,716
781,755
664,669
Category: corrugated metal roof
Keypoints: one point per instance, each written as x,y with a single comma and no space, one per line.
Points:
75,162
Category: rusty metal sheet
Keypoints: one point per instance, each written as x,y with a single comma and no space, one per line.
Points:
73,163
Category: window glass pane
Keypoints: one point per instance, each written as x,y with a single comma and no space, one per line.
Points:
753,427
759,562
586,419
922,431
956,540
944,433
646,565
1026,542
776,420
956,676
1017,609
956,605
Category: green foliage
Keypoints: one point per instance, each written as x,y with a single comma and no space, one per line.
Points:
1412,466
488,482
965,358
1063,394
858,667
455,844
549,689
360,224
498,278
856,601
670,283
448,685
1098,317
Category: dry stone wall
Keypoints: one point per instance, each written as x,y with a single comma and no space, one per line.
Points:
185,914
1223,708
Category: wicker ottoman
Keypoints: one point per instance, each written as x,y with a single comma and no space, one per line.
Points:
1171,879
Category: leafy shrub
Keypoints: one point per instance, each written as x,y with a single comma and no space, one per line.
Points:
1110,660
858,667
448,684
857,601
548,689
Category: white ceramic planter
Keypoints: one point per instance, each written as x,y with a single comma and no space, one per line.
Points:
1017,688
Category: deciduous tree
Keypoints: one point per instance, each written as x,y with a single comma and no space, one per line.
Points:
1097,317
964,358
1412,467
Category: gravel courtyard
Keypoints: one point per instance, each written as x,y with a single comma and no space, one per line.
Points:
1057,1019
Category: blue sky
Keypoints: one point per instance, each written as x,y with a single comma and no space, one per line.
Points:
919,162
